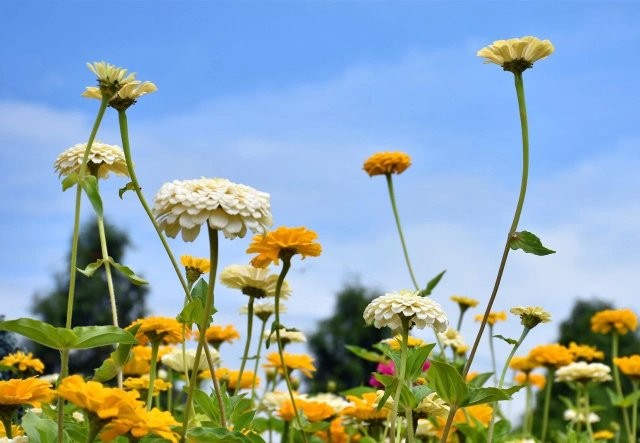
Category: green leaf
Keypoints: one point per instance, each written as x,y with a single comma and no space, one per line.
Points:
630,399
128,187
206,405
432,284
358,391
478,396
107,371
480,379
87,337
69,181
448,383
90,186
127,272
529,243
415,360
91,268
40,430
220,435
40,332
366,354
193,312
507,339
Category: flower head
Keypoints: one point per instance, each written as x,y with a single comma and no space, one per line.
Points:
283,243
93,397
139,362
226,206
166,329
263,310
218,334
573,416
252,281
395,343
230,378
516,54
551,356
29,391
620,320
585,352
175,361
452,338
537,380
603,434
315,411
464,302
195,267
524,364
140,423
584,372
382,163
126,96
286,336
629,366
432,406
103,159
531,316
303,362
23,362
110,77
364,408
494,317
142,384
390,309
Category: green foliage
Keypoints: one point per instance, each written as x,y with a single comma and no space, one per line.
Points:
91,305
335,363
529,243
432,284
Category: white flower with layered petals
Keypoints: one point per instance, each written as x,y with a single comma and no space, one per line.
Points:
102,160
175,361
582,371
389,309
257,282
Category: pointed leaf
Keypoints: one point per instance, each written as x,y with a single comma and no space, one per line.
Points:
415,360
91,268
480,379
193,312
69,181
365,354
358,391
478,396
529,243
40,430
94,336
432,284
90,186
40,332
448,383
107,371
128,272
507,339
128,187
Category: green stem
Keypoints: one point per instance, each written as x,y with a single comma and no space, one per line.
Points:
209,303
64,369
462,312
6,422
397,217
492,352
401,376
618,385
528,410
124,134
514,225
170,392
587,408
247,344
634,411
257,362
155,346
547,402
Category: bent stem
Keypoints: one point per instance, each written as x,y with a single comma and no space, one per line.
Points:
547,402
401,375
247,344
397,217
514,225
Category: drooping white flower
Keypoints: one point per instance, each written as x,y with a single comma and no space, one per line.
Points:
256,282
103,159
531,316
389,309
286,336
229,207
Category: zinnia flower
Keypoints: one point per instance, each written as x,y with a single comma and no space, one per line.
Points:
382,163
175,360
23,362
252,281
195,267
286,336
524,364
103,159
531,316
140,423
315,411
126,95
139,362
110,77
452,338
603,435
551,356
263,310
303,362
537,380
395,343
283,243
629,366
391,308
584,372
364,408
230,378
622,320
573,416
464,302
226,206
142,384
29,391
218,334
166,329
493,318
516,54
432,406
585,352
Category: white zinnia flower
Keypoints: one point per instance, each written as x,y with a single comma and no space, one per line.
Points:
286,336
425,428
174,359
17,439
78,416
256,282
584,372
263,310
521,52
272,401
531,316
230,207
420,311
110,75
334,401
573,416
452,338
102,160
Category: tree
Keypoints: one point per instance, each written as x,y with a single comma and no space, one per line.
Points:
345,327
91,304
8,345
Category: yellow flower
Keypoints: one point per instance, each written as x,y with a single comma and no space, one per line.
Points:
29,391
451,337
283,243
253,282
494,317
230,378
140,423
585,352
303,362
93,397
382,163
110,77
524,364
471,375
103,159
23,362
516,54
622,320
166,329
604,434
140,359
629,366
537,380
432,406
337,431
218,334
142,384
126,95
464,302
551,356
15,431
315,411
531,316
471,415
364,408
195,267
396,342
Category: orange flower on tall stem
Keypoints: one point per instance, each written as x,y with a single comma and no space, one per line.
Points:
283,243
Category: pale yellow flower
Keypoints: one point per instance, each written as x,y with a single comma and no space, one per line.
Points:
111,77
252,281
531,316
103,159
452,338
584,372
286,336
464,302
432,406
516,54
389,309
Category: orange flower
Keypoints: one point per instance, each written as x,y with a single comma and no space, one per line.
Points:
585,352
494,317
29,391
303,362
140,423
142,384
537,380
217,334
140,360
283,243
167,329
364,408
524,364
337,430
471,415
622,320
630,366
230,378
551,356
314,410
382,163
23,362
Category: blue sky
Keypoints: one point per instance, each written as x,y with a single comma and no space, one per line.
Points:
292,97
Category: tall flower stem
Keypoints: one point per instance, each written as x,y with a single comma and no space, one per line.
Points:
155,345
634,411
208,307
514,225
587,407
528,409
401,376
397,217
257,362
6,422
286,265
492,351
616,380
547,402
247,344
